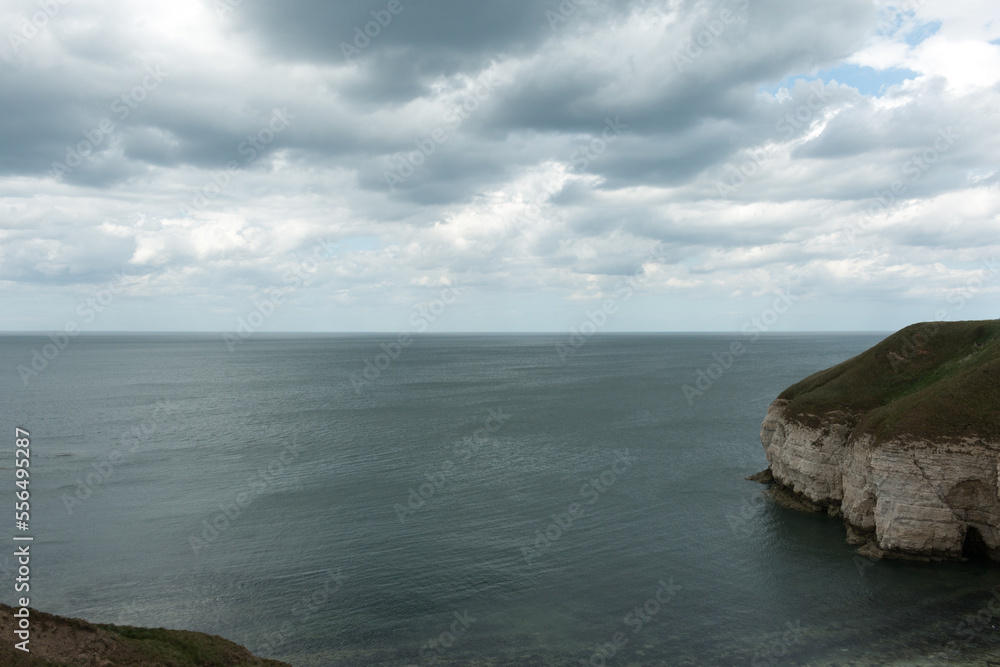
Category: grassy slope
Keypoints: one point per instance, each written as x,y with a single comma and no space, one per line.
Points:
945,383
58,641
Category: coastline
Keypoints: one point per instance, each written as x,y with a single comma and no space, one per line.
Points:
57,640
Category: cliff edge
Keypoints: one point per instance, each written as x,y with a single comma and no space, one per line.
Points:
57,641
902,441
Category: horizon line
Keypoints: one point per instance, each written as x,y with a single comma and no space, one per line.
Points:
446,333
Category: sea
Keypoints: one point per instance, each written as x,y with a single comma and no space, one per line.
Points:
454,500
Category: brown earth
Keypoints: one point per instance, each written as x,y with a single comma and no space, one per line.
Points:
55,640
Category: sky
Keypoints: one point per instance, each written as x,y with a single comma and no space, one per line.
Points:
499,165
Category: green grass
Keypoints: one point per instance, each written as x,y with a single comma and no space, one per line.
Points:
174,647
936,380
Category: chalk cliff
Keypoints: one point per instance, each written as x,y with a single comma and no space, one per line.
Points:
902,441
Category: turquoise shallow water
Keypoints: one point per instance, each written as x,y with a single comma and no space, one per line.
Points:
476,501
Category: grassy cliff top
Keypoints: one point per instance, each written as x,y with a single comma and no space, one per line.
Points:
938,380
57,641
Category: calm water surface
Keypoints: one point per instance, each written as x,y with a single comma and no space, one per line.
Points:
477,501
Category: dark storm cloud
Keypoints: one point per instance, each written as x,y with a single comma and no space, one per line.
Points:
444,35
682,116
556,90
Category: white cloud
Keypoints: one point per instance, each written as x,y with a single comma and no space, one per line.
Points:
454,221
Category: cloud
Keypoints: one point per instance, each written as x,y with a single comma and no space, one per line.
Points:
532,150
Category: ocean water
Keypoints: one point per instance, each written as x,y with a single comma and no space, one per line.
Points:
471,500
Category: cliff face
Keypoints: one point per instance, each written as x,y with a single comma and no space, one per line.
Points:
907,453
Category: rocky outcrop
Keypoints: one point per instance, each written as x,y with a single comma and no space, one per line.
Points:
929,493
908,498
